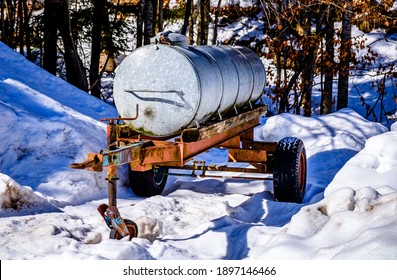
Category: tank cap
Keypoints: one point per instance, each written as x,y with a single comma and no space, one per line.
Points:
170,38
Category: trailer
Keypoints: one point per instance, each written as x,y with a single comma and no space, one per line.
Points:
151,161
162,129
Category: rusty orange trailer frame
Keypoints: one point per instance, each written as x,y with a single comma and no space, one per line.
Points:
142,153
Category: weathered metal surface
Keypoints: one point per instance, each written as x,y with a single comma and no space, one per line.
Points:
117,222
93,163
194,148
112,185
196,134
270,147
240,155
217,168
179,87
102,210
113,220
142,155
122,155
111,137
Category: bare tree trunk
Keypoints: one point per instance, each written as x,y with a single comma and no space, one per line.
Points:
278,43
21,27
215,36
27,29
96,48
148,21
8,27
75,72
139,23
284,94
326,96
2,14
24,29
50,36
307,79
345,57
154,17
161,15
207,18
199,22
286,90
193,17
202,38
308,72
188,12
56,16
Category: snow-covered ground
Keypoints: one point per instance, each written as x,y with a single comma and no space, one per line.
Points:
48,211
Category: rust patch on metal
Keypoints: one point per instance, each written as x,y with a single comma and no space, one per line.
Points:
93,163
149,112
242,155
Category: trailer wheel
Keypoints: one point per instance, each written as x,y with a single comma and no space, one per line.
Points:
289,174
132,228
148,183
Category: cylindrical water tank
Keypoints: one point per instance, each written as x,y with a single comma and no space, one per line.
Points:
178,87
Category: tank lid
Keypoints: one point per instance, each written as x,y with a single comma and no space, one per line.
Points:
170,38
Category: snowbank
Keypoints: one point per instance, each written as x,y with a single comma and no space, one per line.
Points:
357,219
18,74
14,197
340,130
347,224
48,124
375,166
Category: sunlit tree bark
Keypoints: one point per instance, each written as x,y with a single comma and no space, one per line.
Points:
57,17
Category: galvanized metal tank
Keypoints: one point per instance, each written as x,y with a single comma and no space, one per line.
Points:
183,86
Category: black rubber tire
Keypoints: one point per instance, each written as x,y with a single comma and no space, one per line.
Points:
148,183
290,168
114,234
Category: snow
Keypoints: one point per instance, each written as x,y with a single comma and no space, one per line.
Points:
48,210
41,132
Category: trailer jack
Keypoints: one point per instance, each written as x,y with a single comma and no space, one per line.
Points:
119,227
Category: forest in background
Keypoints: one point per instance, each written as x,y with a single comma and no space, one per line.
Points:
81,40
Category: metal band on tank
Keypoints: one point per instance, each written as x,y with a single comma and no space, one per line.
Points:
230,77
257,71
246,80
203,114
